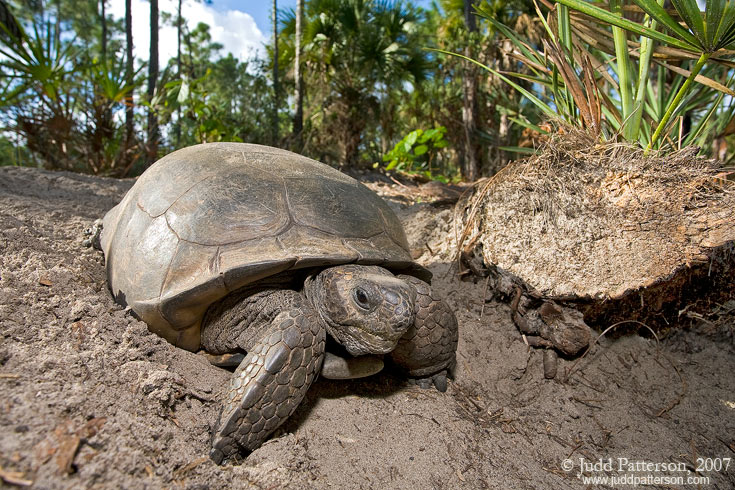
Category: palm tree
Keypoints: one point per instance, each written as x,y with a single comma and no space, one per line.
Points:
7,19
360,53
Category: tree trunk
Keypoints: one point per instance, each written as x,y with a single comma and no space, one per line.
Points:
9,21
107,129
179,21
152,79
275,73
129,70
471,164
103,19
57,29
298,119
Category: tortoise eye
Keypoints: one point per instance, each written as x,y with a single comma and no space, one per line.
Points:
361,298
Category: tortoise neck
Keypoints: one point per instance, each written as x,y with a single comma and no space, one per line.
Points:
313,292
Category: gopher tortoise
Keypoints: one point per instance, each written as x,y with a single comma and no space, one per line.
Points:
246,249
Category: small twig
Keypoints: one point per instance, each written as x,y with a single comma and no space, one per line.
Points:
484,297
14,478
587,402
188,467
684,388
585,382
560,441
730,446
604,332
555,471
399,183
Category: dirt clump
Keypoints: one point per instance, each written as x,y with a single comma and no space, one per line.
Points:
622,235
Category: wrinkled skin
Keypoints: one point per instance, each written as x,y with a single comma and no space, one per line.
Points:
366,309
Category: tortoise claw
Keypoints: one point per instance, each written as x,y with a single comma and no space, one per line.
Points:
438,381
230,360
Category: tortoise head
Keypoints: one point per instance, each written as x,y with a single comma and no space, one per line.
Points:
365,308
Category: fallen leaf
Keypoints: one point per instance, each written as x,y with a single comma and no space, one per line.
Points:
14,478
91,428
68,447
44,451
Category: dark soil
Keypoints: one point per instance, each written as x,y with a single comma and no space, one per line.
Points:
90,399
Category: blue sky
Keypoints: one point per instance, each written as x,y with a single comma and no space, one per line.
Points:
242,26
260,10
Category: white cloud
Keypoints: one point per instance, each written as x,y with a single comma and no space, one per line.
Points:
234,29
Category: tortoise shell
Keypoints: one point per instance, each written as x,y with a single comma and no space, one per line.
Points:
207,220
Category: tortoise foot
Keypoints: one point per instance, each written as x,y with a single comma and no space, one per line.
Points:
438,381
92,235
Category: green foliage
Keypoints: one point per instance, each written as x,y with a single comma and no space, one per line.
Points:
702,34
359,57
214,98
417,151
660,76
575,72
12,154
37,63
59,97
198,107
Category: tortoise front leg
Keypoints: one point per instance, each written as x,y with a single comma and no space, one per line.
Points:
427,352
271,381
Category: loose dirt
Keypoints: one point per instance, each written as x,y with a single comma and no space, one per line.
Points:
90,399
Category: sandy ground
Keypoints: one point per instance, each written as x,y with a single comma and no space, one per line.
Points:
90,399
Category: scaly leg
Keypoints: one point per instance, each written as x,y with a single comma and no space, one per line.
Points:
272,379
427,352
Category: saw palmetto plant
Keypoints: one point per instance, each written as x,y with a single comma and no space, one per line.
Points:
708,35
657,76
